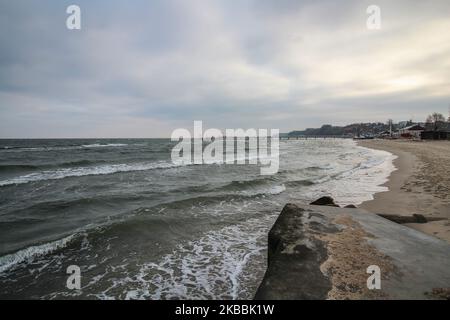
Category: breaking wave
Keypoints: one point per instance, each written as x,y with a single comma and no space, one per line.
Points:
30,253
86,171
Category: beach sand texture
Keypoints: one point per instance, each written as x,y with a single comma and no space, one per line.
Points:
420,185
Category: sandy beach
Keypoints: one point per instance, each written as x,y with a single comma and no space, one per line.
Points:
420,185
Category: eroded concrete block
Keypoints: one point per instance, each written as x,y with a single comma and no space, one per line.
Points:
321,252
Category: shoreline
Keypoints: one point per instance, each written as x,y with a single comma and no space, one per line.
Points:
411,191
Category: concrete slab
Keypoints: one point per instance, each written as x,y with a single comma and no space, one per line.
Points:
321,252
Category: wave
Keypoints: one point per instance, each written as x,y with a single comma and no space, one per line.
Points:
17,167
277,189
214,198
313,168
241,184
29,167
52,206
367,164
359,180
105,170
299,183
62,148
99,145
221,264
270,190
86,171
79,163
30,253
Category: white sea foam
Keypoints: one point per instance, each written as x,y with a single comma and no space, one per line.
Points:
212,266
277,189
364,174
30,253
273,190
208,268
86,171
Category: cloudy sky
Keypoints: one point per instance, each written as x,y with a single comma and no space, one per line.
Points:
144,68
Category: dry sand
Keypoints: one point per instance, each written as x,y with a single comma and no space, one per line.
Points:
421,184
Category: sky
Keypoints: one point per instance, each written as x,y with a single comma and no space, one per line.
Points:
145,68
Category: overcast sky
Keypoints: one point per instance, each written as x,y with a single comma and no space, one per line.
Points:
145,68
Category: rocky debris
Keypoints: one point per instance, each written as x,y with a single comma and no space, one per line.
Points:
351,206
323,252
415,218
324,201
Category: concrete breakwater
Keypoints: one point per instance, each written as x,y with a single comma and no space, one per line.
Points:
324,252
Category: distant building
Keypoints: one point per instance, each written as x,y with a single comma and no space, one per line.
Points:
435,135
413,131
403,124
441,133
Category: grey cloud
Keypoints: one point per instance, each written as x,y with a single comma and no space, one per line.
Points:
147,67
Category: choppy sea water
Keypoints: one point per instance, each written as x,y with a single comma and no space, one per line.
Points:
140,227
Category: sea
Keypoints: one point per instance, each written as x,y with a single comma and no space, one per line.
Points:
139,226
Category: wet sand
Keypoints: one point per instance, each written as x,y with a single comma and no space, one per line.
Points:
420,185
